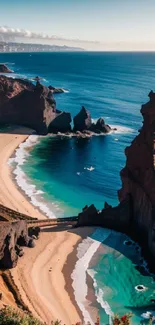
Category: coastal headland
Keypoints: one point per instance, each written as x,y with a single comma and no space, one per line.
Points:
39,111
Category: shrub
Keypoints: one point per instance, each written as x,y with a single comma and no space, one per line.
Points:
11,316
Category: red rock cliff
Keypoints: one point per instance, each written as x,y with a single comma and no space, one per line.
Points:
138,177
135,214
23,103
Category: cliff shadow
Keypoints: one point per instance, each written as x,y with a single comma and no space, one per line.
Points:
16,129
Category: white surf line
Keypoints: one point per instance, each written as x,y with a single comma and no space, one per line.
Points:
85,252
99,293
122,129
29,189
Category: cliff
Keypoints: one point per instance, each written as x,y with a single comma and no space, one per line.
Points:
10,87
33,106
138,177
13,235
135,215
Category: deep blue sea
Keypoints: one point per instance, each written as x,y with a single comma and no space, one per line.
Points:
109,85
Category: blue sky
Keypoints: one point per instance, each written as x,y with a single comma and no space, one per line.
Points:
92,24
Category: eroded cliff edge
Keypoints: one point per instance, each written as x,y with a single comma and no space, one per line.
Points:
135,214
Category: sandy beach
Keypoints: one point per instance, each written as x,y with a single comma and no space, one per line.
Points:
43,274
9,193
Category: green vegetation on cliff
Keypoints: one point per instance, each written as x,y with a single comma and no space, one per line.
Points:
12,316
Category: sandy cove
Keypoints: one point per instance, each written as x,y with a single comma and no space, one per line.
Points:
41,279
43,274
9,193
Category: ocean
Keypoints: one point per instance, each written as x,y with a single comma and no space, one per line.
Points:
62,174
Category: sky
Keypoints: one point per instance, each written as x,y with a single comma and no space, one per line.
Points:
99,25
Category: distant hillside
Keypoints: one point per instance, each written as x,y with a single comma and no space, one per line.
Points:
27,47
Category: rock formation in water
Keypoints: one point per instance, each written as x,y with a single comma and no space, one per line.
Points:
135,215
56,90
23,103
13,235
4,69
101,126
83,123
61,122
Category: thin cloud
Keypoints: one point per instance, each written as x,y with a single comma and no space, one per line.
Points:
8,33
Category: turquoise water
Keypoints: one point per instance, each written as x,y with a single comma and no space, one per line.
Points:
111,85
117,276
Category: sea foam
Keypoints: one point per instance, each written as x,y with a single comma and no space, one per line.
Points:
85,251
23,182
122,129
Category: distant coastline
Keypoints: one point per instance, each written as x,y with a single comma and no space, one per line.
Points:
13,47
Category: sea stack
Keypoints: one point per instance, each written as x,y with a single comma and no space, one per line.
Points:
82,121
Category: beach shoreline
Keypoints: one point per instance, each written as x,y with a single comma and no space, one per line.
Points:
43,274
10,196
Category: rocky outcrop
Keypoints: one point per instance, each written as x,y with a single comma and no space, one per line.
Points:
56,90
12,237
4,69
135,215
10,87
30,108
117,218
61,122
33,106
101,126
25,104
83,123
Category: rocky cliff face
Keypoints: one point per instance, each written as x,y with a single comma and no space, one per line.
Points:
10,87
135,214
33,106
12,237
23,103
138,177
30,108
